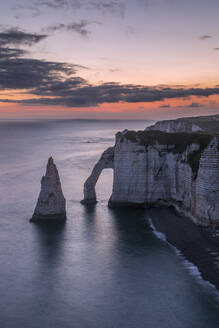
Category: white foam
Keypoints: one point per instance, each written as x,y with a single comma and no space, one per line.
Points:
208,287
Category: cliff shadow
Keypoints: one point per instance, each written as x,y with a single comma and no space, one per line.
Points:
131,225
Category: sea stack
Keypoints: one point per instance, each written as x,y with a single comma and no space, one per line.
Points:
51,201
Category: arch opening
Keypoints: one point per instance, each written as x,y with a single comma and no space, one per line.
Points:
104,185
106,161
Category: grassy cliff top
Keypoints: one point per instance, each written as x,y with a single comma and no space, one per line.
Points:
181,140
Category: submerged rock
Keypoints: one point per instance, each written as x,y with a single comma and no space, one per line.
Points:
51,202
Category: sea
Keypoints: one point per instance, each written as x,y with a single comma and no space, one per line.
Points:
103,268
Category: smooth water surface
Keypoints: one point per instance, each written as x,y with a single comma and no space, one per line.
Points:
104,267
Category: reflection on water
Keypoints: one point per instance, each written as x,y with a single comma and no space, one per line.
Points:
49,239
103,267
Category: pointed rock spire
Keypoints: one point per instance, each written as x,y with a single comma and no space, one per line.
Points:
51,202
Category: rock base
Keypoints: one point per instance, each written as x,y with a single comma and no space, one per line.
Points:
112,204
49,218
88,201
176,206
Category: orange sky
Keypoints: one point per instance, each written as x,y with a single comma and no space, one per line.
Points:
153,110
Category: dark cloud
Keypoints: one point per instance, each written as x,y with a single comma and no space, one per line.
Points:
109,6
76,92
165,106
205,37
195,105
57,4
77,27
15,37
216,49
192,105
19,72
9,53
25,73
104,6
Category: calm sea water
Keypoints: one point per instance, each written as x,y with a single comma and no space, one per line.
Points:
104,268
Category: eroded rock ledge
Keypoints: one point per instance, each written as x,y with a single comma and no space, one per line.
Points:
51,202
153,168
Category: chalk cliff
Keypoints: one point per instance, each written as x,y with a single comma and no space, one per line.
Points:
153,168
188,124
173,126
51,202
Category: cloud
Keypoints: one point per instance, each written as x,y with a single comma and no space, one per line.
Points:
195,105
9,53
57,4
77,27
165,106
104,6
114,70
15,36
109,6
205,37
76,92
19,72
216,49
192,105
20,10
55,83
31,74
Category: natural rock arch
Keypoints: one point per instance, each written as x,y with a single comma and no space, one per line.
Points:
106,161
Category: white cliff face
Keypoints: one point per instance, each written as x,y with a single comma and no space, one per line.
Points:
155,173
51,202
207,185
208,123
147,175
174,126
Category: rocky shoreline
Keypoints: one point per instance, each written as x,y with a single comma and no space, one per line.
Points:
198,244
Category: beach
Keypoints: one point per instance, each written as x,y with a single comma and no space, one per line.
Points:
198,244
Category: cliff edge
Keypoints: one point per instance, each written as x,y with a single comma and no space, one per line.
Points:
153,168
188,124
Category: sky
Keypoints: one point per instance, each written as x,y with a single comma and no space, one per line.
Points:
113,59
